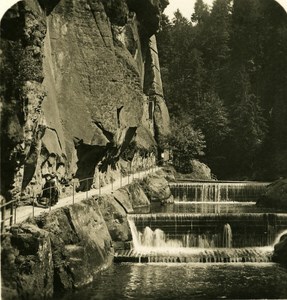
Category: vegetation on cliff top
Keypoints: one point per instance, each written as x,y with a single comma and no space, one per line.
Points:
225,74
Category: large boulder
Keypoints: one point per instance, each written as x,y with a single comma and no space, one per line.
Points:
156,188
131,196
26,263
275,195
280,251
56,251
200,171
116,218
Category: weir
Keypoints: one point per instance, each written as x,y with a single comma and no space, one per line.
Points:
207,236
217,191
208,230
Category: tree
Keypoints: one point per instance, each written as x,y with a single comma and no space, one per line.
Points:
225,73
211,117
186,143
201,12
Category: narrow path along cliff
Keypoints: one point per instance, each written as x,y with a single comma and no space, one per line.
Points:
24,212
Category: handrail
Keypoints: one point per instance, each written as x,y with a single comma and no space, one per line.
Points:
13,203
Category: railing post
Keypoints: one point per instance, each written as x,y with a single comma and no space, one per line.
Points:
112,182
3,211
87,189
50,198
121,179
15,216
11,214
73,192
33,210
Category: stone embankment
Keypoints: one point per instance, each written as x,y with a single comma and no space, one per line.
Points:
65,248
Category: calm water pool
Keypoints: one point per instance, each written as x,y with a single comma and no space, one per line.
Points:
187,281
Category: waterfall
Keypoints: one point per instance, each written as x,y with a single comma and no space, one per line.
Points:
193,238
217,191
206,230
216,235
227,236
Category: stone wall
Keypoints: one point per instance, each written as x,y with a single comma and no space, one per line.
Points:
80,79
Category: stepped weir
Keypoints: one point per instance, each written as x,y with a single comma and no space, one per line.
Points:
205,237
217,191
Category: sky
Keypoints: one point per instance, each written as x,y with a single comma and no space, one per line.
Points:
185,6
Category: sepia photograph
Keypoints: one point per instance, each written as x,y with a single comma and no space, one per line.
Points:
143,149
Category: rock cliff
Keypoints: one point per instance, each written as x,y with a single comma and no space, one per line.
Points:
80,79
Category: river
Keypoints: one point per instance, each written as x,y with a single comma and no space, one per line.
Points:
187,281
209,223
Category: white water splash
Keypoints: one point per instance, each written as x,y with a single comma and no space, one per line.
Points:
227,236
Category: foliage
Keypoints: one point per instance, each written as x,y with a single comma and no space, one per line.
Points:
225,70
186,143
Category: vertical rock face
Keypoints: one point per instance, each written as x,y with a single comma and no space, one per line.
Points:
82,72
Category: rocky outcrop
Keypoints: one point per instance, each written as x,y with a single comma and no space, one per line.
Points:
64,249
116,218
115,208
132,191
55,252
275,195
27,263
156,188
199,171
280,251
80,79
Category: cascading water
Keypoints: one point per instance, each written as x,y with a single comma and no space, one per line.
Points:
217,191
227,236
157,246
211,235
205,238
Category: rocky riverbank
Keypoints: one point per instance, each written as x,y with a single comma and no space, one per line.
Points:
64,249
276,197
280,251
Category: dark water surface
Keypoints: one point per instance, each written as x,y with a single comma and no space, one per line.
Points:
187,281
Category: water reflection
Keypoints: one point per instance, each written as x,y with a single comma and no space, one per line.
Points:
187,281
